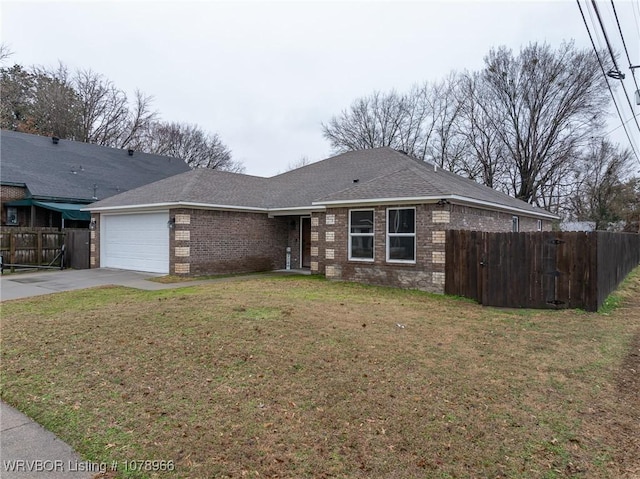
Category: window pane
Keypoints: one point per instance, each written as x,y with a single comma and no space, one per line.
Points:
362,221
402,248
402,221
362,247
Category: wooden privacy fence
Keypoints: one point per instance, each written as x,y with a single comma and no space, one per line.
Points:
538,270
38,248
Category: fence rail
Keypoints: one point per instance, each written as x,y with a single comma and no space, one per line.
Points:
539,270
44,247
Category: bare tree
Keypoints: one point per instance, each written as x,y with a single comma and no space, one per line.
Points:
419,123
445,142
106,115
604,194
485,159
190,143
370,122
5,52
544,105
519,125
299,163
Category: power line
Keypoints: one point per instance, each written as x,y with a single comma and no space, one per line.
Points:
606,78
613,57
622,124
624,44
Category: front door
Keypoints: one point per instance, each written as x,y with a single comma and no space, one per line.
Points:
305,242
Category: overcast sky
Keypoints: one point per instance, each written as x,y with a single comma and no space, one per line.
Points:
264,75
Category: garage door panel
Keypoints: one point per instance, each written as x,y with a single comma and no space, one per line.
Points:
137,242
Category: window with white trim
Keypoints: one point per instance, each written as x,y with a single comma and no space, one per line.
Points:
361,235
401,235
539,225
515,224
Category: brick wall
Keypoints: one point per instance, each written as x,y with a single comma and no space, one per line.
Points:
469,218
330,238
12,193
218,242
94,245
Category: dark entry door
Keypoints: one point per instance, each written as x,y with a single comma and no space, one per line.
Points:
305,233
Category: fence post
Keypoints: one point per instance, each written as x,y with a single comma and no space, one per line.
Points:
39,248
12,250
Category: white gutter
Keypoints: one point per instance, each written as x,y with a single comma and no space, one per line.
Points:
322,205
434,199
298,210
175,204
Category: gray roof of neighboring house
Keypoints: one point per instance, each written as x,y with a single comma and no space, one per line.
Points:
359,176
70,169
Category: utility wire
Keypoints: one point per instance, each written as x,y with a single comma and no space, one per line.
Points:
606,78
613,57
624,44
621,125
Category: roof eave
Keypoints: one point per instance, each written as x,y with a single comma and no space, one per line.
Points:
173,204
434,199
295,211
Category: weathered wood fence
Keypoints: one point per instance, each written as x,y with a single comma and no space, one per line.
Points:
540,269
43,247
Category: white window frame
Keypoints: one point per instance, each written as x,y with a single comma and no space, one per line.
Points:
359,235
406,235
12,211
539,225
515,224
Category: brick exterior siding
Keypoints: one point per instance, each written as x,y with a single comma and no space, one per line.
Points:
94,246
217,242
12,193
427,273
228,242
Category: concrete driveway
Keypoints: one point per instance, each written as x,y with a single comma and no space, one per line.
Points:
24,285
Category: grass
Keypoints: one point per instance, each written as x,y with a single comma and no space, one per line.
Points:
300,377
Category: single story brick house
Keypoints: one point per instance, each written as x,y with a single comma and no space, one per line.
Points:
376,216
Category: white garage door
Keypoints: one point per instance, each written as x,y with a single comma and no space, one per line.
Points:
138,242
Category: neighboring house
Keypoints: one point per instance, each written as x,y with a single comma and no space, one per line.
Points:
578,226
46,181
377,216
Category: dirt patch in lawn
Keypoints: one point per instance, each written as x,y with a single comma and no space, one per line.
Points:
299,377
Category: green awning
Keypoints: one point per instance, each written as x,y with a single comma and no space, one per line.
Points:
70,211
23,202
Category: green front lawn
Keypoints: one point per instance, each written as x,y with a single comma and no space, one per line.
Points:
300,377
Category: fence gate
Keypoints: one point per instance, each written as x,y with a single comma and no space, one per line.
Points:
77,244
538,269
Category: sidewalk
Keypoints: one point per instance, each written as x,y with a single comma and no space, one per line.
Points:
27,450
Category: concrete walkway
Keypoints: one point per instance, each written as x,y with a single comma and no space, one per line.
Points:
25,285
27,450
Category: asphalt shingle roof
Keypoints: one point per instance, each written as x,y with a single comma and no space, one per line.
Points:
380,173
203,186
70,169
